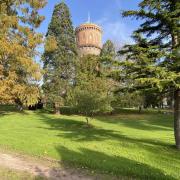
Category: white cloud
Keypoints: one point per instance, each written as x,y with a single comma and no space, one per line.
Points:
116,31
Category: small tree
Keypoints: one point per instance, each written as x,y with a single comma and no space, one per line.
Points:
93,98
92,93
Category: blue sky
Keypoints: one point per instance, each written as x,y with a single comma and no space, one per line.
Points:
106,13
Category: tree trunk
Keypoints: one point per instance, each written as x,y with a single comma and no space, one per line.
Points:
175,43
87,120
20,107
177,118
140,109
171,104
56,108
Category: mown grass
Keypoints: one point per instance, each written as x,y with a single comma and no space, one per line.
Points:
131,145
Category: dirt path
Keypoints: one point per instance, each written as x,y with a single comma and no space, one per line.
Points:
19,163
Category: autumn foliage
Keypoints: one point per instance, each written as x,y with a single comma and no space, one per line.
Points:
18,49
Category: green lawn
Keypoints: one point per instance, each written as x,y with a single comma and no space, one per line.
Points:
128,144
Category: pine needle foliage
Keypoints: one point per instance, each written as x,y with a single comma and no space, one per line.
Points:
153,62
59,56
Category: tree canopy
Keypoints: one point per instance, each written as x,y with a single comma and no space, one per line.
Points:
92,93
59,60
19,41
152,63
108,49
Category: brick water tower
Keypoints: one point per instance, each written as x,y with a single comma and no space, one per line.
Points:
89,39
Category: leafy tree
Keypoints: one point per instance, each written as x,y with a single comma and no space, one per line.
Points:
156,99
92,93
128,100
59,56
107,58
18,41
153,62
108,49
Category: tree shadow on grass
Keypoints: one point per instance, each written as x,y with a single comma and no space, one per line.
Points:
76,131
114,165
8,109
151,122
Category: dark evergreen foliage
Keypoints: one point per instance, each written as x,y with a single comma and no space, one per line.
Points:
59,62
153,62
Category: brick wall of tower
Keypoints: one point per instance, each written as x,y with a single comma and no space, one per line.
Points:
89,39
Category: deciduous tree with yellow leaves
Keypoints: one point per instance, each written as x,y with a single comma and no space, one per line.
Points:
19,40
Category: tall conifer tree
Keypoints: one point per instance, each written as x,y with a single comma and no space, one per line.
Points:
59,62
153,62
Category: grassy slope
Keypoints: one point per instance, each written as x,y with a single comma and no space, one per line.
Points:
130,144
